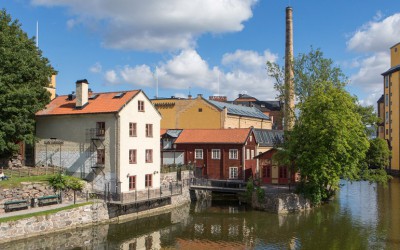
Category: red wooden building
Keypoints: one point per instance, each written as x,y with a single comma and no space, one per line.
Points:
222,154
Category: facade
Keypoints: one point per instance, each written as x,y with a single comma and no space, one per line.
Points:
110,139
273,109
380,133
271,173
199,113
391,93
220,154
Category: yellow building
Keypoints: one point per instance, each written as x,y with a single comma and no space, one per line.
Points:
52,87
199,113
391,86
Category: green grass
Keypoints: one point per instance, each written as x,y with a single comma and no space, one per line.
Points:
47,212
14,182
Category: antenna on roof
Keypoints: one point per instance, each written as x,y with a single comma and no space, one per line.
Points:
218,82
156,76
37,34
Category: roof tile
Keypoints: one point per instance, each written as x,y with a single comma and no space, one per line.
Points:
225,136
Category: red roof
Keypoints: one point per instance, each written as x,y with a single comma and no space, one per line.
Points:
225,136
103,103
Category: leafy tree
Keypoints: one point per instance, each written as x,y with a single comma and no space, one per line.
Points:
329,141
24,73
378,155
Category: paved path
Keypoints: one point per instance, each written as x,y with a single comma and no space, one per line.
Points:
37,209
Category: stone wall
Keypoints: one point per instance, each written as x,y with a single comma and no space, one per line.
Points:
281,203
67,219
30,190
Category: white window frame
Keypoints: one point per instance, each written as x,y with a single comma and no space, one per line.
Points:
247,154
233,172
233,154
216,154
198,153
251,154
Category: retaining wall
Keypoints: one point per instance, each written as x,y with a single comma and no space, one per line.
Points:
281,203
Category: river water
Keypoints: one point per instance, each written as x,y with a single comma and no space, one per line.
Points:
362,216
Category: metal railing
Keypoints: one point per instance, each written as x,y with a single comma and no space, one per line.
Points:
239,184
135,196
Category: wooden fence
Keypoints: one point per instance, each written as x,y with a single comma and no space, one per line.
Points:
30,171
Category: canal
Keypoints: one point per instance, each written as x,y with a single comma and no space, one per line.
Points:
362,216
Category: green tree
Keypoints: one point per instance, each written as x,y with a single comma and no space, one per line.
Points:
328,142
378,155
24,73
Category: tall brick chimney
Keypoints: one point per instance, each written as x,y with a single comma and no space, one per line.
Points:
289,75
82,93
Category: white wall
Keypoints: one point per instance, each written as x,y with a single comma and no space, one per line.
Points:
129,114
76,153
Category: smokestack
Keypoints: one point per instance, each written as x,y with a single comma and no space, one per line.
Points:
289,75
82,95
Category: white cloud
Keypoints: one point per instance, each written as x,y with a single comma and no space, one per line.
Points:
157,25
244,71
376,36
368,77
96,68
111,77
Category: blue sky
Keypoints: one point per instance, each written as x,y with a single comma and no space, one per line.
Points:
206,46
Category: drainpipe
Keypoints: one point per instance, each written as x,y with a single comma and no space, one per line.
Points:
117,155
244,162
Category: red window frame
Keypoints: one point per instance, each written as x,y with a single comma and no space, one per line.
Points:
149,155
132,182
148,180
141,106
132,156
149,130
132,129
100,156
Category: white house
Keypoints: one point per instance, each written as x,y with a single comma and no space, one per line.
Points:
110,139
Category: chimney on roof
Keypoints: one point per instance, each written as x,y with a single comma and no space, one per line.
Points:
190,97
82,93
199,96
289,75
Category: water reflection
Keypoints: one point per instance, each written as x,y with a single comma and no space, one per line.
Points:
363,216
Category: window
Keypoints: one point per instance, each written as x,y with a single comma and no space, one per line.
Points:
141,106
100,128
251,138
132,156
387,100
387,131
200,110
233,153
148,180
267,172
387,117
247,154
252,154
282,172
386,81
198,153
233,173
132,182
100,156
215,154
149,130
132,129
149,155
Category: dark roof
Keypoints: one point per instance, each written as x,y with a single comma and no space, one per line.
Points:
268,137
239,110
174,133
270,105
380,100
391,70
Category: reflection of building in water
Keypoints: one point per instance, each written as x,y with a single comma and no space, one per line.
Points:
149,241
389,211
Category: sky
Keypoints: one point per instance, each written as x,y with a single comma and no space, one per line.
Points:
209,47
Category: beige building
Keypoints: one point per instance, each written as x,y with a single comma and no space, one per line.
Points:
110,139
391,100
199,113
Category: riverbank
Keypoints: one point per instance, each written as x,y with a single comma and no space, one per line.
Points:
98,212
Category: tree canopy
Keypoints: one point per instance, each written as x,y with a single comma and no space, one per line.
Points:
24,73
329,140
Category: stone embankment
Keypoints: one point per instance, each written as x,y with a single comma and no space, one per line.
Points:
96,213
281,203
31,190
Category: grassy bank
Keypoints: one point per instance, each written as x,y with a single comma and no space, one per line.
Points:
47,212
16,181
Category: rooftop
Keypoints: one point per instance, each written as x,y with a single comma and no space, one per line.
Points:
239,110
225,136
